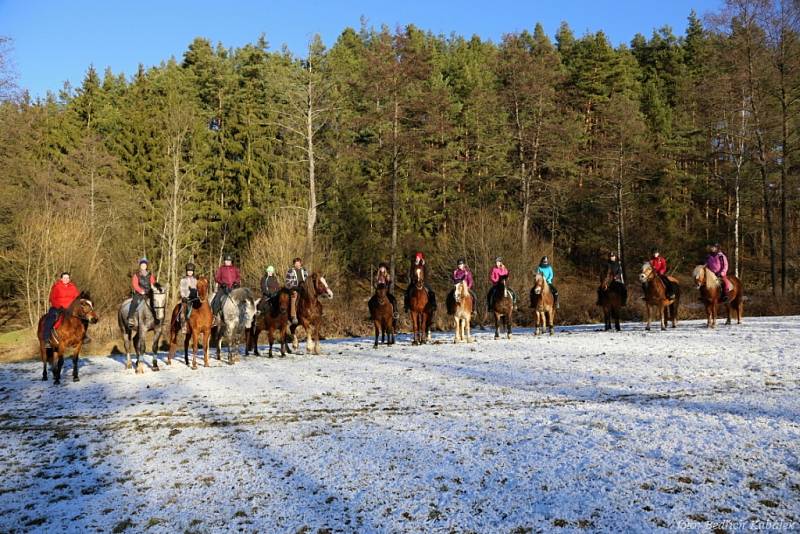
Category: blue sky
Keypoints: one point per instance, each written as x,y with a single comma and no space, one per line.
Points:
56,41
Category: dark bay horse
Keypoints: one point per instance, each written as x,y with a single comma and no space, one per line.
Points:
710,286
309,311
655,297
199,323
502,306
145,320
275,319
611,297
543,306
381,312
421,310
68,335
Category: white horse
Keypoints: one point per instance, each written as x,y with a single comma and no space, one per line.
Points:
145,319
235,317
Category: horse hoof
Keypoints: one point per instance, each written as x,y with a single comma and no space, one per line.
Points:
194,367
497,337
76,379
44,378
56,382
155,368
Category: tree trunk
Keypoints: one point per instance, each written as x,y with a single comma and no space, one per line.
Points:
524,177
395,185
312,185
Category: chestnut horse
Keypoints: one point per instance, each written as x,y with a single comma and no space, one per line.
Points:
381,312
610,297
460,306
274,319
199,323
542,304
309,311
502,306
68,335
421,310
710,288
655,297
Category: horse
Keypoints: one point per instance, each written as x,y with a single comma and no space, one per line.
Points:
198,323
710,288
237,311
309,311
655,297
421,310
502,306
460,306
543,306
274,319
68,333
381,312
611,298
145,320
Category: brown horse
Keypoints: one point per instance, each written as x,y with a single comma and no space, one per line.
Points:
502,306
655,297
710,288
199,323
274,319
460,306
421,309
68,335
543,306
611,299
309,311
381,312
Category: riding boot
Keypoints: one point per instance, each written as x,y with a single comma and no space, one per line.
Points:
135,300
182,318
47,327
724,287
293,307
555,295
432,298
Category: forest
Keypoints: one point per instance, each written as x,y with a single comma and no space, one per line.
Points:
393,140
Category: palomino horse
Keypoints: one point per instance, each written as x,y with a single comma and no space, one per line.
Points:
502,306
67,335
421,309
543,306
235,317
144,321
611,299
199,323
655,297
309,311
274,319
710,288
460,306
381,312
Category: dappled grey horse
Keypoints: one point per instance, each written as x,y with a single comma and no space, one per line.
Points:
236,315
144,321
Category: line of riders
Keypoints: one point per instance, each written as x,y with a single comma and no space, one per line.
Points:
64,291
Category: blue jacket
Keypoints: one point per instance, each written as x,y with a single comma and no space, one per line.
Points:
547,272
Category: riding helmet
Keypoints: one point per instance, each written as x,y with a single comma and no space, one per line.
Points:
190,267
654,250
270,269
461,261
498,258
384,265
144,260
544,261
612,254
227,257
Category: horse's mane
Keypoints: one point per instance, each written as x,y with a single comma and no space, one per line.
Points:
646,265
709,278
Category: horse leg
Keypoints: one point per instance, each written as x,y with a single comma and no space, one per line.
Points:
156,339
552,316
377,328
43,351
647,316
458,329
508,326
127,341
496,326
58,362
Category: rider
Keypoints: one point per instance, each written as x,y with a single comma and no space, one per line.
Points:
462,272
270,285
546,270
613,264
62,295
717,262
142,283
187,288
497,271
659,265
419,262
383,276
295,276
227,278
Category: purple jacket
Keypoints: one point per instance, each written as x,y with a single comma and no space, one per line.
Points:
718,263
465,274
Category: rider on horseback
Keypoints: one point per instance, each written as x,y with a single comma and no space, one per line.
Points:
294,277
659,265
187,288
270,285
419,262
546,270
499,270
383,276
142,283
717,262
227,278
614,266
62,295
462,273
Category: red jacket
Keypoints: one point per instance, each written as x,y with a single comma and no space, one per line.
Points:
228,275
659,265
62,295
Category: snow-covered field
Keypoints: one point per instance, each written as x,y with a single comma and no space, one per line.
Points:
687,429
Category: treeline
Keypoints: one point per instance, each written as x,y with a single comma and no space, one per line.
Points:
389,141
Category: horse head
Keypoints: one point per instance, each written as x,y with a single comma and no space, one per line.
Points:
461,290
321,286
538,284
202,288
419,274
647,272
380,290
83,308
159,301
704,277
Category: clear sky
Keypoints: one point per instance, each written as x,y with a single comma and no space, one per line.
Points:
54,41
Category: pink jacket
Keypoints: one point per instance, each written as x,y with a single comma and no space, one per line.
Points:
496,273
